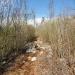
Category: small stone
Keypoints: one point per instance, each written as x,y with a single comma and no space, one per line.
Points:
34,51
41,52
33,59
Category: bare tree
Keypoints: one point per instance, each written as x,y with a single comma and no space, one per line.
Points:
33,17
51,9
1,13
43,19
24,10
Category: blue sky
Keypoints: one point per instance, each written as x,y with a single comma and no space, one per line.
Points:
41,6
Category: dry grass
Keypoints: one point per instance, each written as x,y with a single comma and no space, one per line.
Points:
60,34
15,38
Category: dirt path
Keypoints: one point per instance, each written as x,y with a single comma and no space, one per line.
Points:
39,60
36,62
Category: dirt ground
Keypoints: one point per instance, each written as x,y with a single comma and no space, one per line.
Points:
40,61
36,62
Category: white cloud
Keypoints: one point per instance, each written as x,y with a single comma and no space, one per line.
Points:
37,20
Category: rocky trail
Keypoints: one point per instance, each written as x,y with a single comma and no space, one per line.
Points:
36,61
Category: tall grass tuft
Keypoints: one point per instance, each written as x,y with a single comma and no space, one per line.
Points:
15,38
60,34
